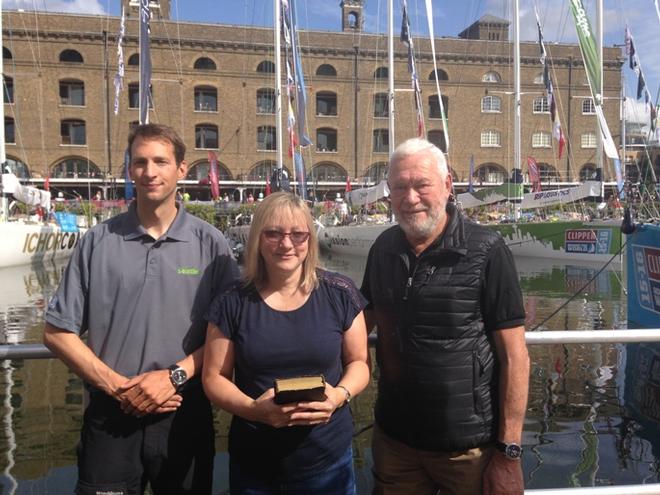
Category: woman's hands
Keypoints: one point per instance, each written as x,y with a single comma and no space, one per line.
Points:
297,413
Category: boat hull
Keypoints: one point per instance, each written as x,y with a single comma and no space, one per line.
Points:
25,243
643,265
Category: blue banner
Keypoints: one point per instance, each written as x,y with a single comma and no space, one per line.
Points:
66,221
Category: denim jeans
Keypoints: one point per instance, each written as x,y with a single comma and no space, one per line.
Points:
336,479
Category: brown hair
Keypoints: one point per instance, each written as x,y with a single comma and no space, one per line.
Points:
274,205
158,132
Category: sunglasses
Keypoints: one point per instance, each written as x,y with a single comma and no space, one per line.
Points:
275,236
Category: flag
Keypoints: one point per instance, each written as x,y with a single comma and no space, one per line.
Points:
619,178
128,183
300,174
657,9
534,175
145,63
349,187
213,176
267,191
636,66
47,182
471,177
119,76
558,135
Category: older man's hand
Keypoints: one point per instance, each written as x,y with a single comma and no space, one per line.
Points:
503,476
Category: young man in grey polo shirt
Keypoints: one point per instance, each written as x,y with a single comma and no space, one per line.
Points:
138,285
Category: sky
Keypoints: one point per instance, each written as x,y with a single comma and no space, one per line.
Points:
449,18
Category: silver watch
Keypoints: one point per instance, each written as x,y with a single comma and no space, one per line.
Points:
178,376
511,450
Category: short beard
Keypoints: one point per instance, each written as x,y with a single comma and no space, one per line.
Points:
422,229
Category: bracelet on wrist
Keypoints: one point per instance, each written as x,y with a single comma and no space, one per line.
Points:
347,392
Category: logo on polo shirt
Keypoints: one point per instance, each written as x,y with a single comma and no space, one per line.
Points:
187,270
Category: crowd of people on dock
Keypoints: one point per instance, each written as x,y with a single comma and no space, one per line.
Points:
155,317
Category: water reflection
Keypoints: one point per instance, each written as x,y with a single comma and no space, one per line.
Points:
592,412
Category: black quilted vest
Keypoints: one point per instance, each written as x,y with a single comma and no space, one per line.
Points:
437,387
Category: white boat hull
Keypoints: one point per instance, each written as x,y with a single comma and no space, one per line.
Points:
26,242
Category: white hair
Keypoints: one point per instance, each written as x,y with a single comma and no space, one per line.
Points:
419,145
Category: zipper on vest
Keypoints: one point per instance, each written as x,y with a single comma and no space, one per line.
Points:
408,286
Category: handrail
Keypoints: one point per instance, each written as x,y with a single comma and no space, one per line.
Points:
651,489
39,351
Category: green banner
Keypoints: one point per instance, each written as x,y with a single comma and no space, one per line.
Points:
588,47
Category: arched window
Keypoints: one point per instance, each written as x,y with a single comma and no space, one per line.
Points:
490,172
6,53
206,99
352,19
134,96
588,107
491,104
266,66
442,75
328,172
381,140
75,168
200,170
540,105
377,172
266,100
17,167
134,59
588,140
381,106
541,140
588,172
491,139
266,138
10,134
326,70
326,140
9,90
434,106
538,78
72,92
438,138
72,132
204,63
381,73
326,103
548,173
264,170
491,77
71,56
206,136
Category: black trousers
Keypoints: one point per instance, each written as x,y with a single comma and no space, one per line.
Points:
118,453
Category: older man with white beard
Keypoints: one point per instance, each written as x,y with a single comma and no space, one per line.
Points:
454,368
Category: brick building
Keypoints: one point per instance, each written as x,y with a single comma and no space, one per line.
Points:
215,85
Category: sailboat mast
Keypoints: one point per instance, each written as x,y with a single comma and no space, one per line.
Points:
390,72
516,102
599,89
278,82
3,156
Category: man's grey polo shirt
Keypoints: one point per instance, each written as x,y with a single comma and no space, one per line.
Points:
141,300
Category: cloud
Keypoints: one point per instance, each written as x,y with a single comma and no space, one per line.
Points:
67,6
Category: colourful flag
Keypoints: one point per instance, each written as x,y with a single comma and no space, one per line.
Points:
145,63
349,187
119,76
471,177
558,134
267,191
213,176
300,174
534,175
47,182
128,183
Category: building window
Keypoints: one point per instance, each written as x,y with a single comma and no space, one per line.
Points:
491,77
134,59
266,100
381,107
132,125
266,138
381,140
134,96
548,173
10,135
73,132
206,99
491,104
538,78
541,140
75,168
326,70
17,167
200,171
266,66
326,103
588,140
381,73
204,63
540,105
9,90
588,172
442,75
588,107
490,173
326,140
206,136
71,56
438,138
6,53
263,170
490,139
328,172
434,107
72,93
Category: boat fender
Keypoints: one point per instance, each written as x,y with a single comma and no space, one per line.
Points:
627,225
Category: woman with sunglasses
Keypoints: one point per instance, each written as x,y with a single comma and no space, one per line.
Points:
288,318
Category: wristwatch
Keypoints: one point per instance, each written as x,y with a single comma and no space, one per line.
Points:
178,375
511,450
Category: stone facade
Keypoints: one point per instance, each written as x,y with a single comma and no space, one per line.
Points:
37,42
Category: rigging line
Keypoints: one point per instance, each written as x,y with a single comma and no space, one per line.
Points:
579,291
